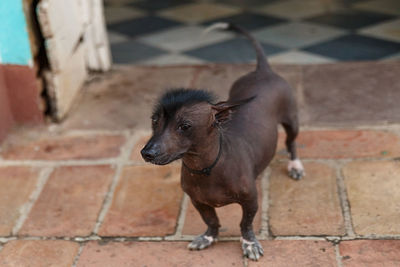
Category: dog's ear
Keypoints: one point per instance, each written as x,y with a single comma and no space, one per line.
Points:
223,110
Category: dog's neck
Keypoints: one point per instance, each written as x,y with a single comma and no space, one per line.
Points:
204,154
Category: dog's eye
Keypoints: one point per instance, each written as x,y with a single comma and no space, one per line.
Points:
154,120
184,127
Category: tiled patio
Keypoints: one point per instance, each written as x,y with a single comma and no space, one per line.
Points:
159,32
78,193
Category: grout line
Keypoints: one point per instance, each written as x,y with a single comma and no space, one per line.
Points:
124,157
245,261
183,238
76,259
265,230
139,163
56,163
151,238
181,218
108,199
220,238
4,240
338,257
80,132
373,237
390,127
342,161
26,208
115,161
56,130
114,239
84,239
316,238
344,201
143,163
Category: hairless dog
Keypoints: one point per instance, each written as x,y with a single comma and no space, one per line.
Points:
224,146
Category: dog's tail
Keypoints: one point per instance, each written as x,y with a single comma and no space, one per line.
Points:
262,63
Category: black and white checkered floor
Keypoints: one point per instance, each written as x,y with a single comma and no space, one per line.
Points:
159,32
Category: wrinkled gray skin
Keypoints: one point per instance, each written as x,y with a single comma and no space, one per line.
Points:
248,122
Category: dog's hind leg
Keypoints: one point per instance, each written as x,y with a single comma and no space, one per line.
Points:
295,167
209,216
250,245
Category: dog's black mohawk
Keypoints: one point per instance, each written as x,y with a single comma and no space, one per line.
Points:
174,99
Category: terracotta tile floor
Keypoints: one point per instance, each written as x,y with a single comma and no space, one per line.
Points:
79,194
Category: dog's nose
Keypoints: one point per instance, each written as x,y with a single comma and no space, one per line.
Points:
149,153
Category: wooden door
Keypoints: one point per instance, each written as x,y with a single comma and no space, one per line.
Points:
76,42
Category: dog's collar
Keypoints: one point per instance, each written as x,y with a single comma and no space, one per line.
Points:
207,171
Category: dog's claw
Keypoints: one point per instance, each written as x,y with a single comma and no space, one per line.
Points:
201,242
252,249
296,169
296,174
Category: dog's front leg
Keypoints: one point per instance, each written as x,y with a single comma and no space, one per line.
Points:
250,245
209,216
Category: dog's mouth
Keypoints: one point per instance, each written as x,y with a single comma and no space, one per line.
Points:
166,159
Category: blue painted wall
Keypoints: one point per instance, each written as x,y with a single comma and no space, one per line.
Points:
14,39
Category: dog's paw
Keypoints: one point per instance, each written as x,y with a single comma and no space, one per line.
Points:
296,169
201,242
252,249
